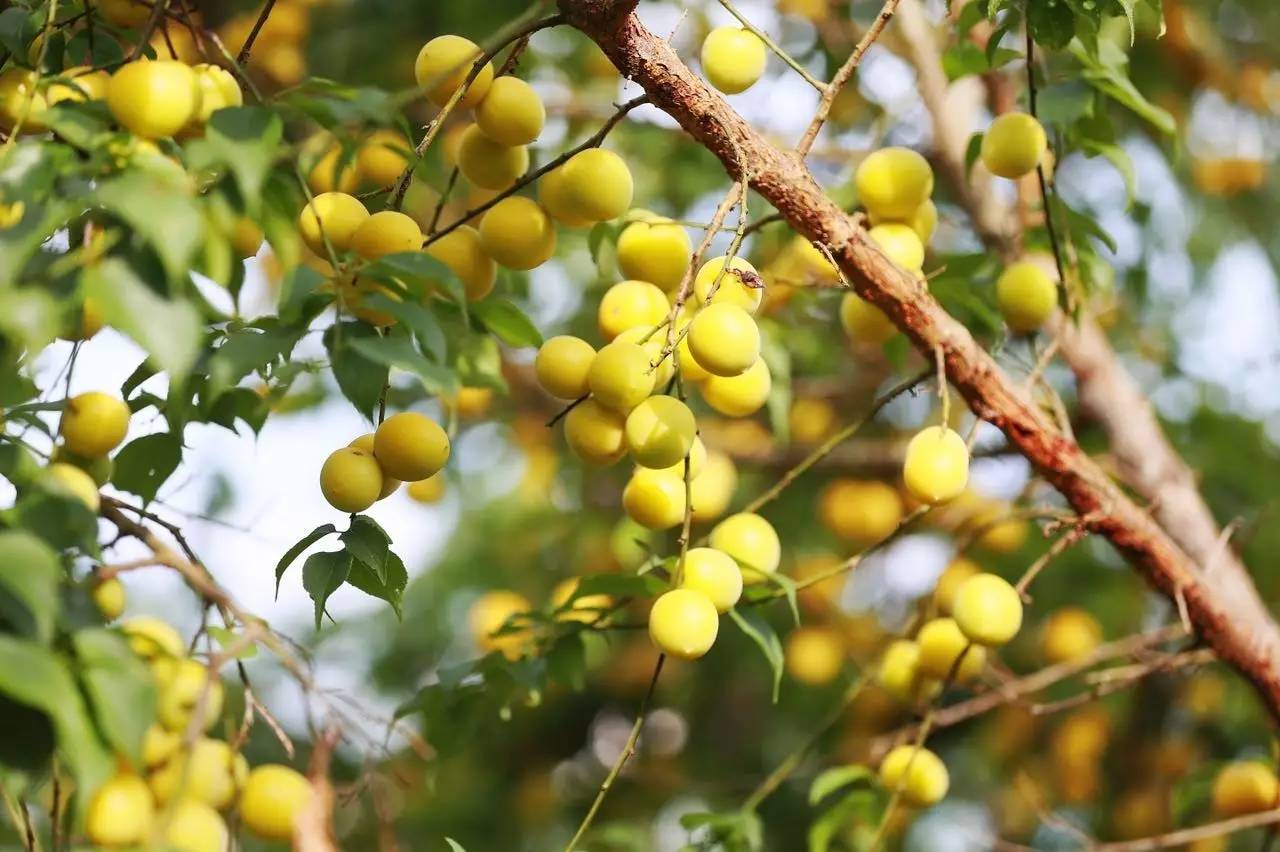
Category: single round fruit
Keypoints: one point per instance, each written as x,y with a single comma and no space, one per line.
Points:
489,613
812,419
733,59
1069,634
724,339
654,499
900,244
333,215
210,773
218,90
153,639
811,264
628,304
469,403
389,483
751,541
936,466
1244,787
739,396
489,164
386,232
429,490
22,102
518,233
511,112
72,482
950,581
595,433
654,250
351,480
814,655
923,221
863,322
443,65
335,170
93,424
159,744
714,573
462,251
917,774
194,827
190,688
654,345
273,797
154,99
120,812
697,460
893,183
660,431
596,185
899,672
740,284
941,644
860,512
712,490
620,377
1013,145
109,597
1026,295
554,198
683,624
562,365
410,446
988,610
383,156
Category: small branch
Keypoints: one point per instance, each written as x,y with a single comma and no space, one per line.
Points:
242,58
564,411
158,11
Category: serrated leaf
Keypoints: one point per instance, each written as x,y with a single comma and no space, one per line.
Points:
507,322
322,574
294,552
28,584
368,544
833,779
762,633
144,464
169,330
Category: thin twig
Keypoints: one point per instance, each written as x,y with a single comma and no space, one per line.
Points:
242,58
775,47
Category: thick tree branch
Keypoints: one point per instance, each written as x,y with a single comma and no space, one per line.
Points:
1238,628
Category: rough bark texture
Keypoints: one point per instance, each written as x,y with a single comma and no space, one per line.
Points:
1236,626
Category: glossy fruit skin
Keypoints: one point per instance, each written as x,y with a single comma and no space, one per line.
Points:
923,221
733,59
1026,295
988,610
489,613
899,671
697,460
489,164
596,185
863,322
900,244
152,639
120,813
158,745
950,581
814,655
941,643
518,233
335,215
655,250
429,490
109,598
443,65
751,541
631,303
732,288
273,797
382,157
154,99
351,479
655,499
195,827
660,431
739,396
191,687
334,171
562,365
619,377
410,446
462,251
386,232
210,773
389,483
653,347
893,183
73,482
714,573
22,101
218,90
93,424
554,198
690,369
1069,634
918,774
596,434
712,490
1013,145
1244,787
860,512
511,112
683,624
936,466
724,339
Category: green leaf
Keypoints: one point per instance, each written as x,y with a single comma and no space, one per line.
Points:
1118,158
359,378
388,587
247,350
28,584
425,327
788,587
619,586
248,139
294,552
1107,72
507,322
17,30
421,271
168,330
368,544
1052,24
971,153
229,638
567,661
861,807
762,633
120,688
454,846
162,211
399,352
833,779
144,464
322,574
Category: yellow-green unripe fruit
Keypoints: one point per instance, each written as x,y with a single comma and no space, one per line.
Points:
620,377
462,251
410,446
660,432
1026,296
442,67
595,433
936,467
900,244
899,672
191,688
154,99
941,643
733,59
628,304
1013,145
386,232
562,366
518,233
734,289
863,322
511,113
917,774
93,424
333,215
120,813
210,773
923,221
739,396
596,185
655,250
272,800
714,573
194,827
489,164
1244,787
654,499
109,597
73,482
351,480
987,610
892,183
724,339
683,624
751,541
